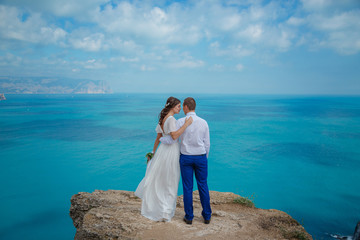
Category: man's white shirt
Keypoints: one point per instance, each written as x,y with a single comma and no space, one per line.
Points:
196,138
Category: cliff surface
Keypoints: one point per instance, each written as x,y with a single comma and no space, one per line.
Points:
116,215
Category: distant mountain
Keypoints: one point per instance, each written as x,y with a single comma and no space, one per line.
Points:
43,85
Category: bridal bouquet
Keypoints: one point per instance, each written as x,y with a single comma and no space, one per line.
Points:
149,156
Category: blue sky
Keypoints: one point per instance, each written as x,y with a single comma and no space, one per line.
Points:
244,46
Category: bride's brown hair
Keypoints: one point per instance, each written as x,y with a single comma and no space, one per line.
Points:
170,103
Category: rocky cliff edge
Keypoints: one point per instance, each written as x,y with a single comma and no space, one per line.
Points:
116,215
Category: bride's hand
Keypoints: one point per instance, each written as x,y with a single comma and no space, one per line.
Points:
188,121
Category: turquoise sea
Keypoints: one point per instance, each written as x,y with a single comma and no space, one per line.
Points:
298,154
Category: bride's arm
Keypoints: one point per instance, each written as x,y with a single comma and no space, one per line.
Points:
157,141
175,135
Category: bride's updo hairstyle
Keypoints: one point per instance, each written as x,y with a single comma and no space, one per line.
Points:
170,103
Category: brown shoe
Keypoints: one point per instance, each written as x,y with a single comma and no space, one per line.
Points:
207,221
187,221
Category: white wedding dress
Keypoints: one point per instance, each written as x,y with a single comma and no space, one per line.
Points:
158,189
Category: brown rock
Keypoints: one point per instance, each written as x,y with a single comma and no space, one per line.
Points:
116,215
357,232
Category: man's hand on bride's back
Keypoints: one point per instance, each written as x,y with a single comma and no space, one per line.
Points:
188,121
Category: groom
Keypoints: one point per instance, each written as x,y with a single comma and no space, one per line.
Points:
194,150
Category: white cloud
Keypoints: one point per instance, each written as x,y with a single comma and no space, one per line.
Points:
253,33
134,26
257,12
295,21
31,27
328,5
236,51
214,18
239,67
186,63
117,43
216,68
256,26
79,9
342,21
52,34
146,24
88,42
124,59
146,68
10,60
339,31
345,42
231,22
315,4
93,64
283,40
143,34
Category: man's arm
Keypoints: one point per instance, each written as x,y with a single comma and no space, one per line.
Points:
207,140
167,140
175,135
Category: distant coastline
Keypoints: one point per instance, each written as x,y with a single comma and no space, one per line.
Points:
43,85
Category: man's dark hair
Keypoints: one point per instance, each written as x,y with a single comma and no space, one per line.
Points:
190,103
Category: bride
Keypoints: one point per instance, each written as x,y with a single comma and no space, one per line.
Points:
158,189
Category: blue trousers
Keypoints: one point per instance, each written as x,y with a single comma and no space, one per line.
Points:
188,165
